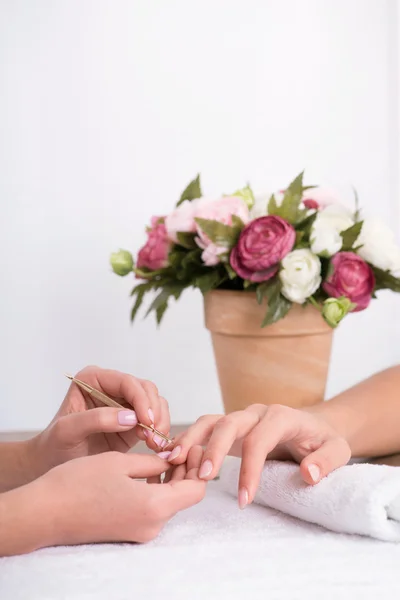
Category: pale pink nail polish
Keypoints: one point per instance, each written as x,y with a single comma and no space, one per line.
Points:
164,455
243,498
205,469
151,416
175,453
315,472
145,433
127,417
157,439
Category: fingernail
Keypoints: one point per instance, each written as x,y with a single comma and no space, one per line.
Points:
164,443
157,439
175,453
145,433
127,417
164,455
205,469
243,498
151,416
315,472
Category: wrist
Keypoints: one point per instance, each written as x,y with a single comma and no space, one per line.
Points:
342,418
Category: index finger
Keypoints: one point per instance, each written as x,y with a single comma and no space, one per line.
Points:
119,385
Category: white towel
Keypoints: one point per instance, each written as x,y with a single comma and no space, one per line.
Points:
359,498
213,551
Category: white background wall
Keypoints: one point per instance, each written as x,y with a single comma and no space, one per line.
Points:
109,107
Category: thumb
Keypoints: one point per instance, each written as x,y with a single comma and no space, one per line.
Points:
180,495
333,454
75,427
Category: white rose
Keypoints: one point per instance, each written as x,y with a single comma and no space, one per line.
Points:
260,206
300,275
379,245
325,233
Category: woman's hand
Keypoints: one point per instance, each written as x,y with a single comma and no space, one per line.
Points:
84,426
261,432
96,499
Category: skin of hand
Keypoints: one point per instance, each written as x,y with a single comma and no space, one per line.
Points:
98,499
83,426
260,431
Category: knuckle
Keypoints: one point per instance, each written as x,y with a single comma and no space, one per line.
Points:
228,421
100,418
275,411
150,387
88,370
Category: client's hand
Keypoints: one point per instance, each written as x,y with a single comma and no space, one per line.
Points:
95,499
261,432
77,431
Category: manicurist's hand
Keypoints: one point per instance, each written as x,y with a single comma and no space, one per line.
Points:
262,432
84,426
96,499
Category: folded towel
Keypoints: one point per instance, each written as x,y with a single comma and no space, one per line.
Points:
360,498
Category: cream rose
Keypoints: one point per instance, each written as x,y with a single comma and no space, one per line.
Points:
325,233
300,275
378,245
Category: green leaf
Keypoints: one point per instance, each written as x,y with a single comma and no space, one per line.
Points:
299,237
306,224
272,206
191,192
261,291
290,207
385,280
139,291
209,281
246,194
278,305
231,273
171,289
237,222
350,235
220,234
186,240
160,312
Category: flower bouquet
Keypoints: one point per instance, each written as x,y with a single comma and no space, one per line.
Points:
299,248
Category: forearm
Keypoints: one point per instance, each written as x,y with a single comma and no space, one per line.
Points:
17,464
368,415
25,520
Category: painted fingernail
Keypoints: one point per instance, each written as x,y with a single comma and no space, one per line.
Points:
175,453
145,433
315,472
205,469
157,439
164,443
164,455
243,498
151,416
127,417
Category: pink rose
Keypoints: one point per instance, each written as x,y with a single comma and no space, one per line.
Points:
220,210
261,246
182,218
352,277
154,254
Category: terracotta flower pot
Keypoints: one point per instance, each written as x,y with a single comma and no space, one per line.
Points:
284,363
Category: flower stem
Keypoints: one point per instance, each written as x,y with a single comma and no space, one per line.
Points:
313,301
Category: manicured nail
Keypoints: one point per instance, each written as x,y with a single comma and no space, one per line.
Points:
205,469
175,453
157,439
151,416
315,472
145,433
164,443
127,417
243,498
164,455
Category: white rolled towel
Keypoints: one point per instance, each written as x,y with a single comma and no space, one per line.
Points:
363,499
